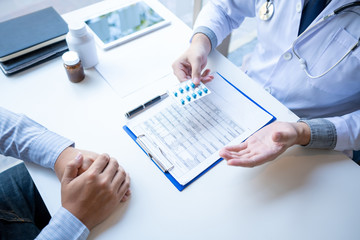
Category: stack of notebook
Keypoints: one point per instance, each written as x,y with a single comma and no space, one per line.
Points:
31,39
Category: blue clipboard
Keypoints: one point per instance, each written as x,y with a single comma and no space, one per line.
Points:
167,174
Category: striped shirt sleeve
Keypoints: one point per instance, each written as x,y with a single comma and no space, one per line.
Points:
23,138
64,225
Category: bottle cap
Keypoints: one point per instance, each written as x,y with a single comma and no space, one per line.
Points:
77,28
70,58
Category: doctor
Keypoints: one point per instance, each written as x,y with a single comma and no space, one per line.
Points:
311,65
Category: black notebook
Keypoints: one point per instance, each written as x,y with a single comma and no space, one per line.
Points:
30,32
33,58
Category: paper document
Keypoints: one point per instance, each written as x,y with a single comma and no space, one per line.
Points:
185,140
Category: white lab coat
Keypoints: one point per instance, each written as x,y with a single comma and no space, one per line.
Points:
335,96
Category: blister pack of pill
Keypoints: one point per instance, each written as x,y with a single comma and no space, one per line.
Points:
187,92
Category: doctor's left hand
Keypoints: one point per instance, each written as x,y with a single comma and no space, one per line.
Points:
266,144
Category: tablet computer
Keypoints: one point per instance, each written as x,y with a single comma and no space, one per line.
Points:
123,24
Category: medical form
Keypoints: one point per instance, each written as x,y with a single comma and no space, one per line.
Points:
185,140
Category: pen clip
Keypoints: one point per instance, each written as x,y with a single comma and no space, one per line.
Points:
155,153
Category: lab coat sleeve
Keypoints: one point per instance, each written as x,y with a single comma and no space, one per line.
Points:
347,131
222,17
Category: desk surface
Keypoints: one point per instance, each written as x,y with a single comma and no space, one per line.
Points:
304,194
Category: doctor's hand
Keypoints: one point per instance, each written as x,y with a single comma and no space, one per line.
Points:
93,195
191,63
266,144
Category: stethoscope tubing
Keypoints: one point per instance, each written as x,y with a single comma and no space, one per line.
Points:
334,13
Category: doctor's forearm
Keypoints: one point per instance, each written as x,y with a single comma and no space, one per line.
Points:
202,41
204,32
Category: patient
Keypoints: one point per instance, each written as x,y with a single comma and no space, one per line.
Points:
92,185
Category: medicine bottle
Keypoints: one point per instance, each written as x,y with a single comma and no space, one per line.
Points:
73,66
80,40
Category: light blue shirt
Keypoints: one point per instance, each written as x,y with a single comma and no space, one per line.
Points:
334,97
22,138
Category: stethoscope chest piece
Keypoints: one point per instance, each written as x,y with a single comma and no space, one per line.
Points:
266,11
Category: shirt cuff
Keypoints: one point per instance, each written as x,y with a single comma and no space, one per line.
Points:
209,33
47,147
323,133
64,225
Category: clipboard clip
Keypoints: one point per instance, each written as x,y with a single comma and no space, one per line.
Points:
156,154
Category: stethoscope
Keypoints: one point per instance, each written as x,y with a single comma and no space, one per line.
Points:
267,10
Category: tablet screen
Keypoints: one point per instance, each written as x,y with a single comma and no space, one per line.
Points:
125,23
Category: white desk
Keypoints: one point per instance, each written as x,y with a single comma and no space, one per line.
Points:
305,194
